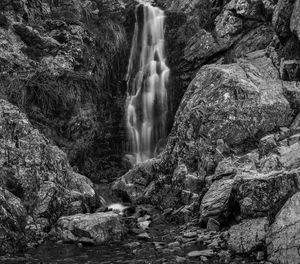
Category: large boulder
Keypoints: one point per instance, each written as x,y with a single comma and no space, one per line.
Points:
259,194
248,236
215,203
235,102
95,228
284,235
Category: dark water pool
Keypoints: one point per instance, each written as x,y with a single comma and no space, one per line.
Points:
145,253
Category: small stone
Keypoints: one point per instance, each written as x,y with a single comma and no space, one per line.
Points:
158,245
144,218
205,253
180,259
213,225
190,234
80,245
133,244
144,225
177,249
260,255
59,242
204,259
144,236
214,244
174,244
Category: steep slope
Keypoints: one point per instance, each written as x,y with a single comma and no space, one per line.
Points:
63,62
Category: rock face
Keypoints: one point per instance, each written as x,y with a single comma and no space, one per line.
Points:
56,65
249,235
38,173
95,228
283,237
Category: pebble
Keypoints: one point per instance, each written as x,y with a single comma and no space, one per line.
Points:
174,244
180,259
260,255
80,245
133,244
190,234
204,259
144,225
205,253
213,225
144,236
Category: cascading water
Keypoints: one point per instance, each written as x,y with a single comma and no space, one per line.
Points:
147,77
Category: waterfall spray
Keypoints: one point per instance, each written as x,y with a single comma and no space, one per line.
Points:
147,77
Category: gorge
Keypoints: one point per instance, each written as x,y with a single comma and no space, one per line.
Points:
159,131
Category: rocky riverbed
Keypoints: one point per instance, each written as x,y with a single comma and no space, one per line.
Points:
161,243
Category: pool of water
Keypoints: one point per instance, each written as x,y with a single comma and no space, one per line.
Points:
145,253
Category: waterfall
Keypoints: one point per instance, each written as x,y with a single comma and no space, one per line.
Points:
147,77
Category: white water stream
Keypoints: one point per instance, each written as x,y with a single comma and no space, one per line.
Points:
147,77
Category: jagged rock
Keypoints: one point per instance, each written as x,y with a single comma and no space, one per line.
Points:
256,39
227,25
263,194
12,223
269,8
225,168
193,183
283,237
33,39
267,144
133,184
295,19
269,163
290,70
95,228
215,203
252,9
281,17
292,93
202,46
249,235
213,225
290,156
